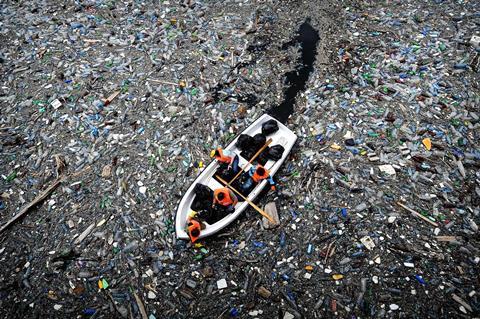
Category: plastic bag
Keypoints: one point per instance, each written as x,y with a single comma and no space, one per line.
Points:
263,158
275,152
269,127
213,215
258,141
203,192
244,141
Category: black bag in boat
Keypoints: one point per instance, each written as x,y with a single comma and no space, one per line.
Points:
275,152
258,141
263,157
212,215
203,192
244,141
269,127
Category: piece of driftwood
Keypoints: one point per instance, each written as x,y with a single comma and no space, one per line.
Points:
33,203
416,214
140,305
40,198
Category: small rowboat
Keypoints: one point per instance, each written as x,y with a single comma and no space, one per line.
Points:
283,137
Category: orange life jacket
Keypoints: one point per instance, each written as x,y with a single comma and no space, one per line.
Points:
192,225
227,199
222,158
256,177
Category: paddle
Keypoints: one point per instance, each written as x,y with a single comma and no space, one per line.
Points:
258,209
251,160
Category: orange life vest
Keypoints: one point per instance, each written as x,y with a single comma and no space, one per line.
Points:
227,199
256,177
222,158
193,225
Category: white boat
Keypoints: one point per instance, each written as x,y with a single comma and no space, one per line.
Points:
283,136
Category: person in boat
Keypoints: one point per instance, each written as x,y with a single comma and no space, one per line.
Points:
193,226
255,176
226,198
226,157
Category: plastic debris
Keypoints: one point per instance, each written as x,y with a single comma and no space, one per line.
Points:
126,100
222,284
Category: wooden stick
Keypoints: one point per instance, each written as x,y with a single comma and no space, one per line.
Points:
37,200
250,161
162,82
141,307
258,209
446,238
112,96
414,213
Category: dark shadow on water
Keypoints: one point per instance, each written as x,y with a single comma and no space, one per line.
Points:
308,38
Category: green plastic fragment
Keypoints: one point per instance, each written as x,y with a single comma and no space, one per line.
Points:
104,283
11,176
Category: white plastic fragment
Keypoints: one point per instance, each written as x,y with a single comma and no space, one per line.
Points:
222,284
367,242
391,219
394,307
151,295
387,169
475,41
56,104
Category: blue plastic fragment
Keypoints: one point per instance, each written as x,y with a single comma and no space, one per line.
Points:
282,239
233,312
258,244
89,311
94,132
420,280
309,249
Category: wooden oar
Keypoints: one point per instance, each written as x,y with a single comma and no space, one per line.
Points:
258,209
251,160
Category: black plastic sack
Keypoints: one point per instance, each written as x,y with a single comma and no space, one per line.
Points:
201,204
203,192
269,127
213,215
275,152
244,141
263,158
258,141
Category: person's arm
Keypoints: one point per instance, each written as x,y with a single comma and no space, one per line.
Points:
214,201
272,183
270,180
233,197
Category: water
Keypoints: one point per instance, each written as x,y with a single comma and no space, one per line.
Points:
297,79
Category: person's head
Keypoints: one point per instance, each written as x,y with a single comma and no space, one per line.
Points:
260,171
220,196
214,153
195,232
193,229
